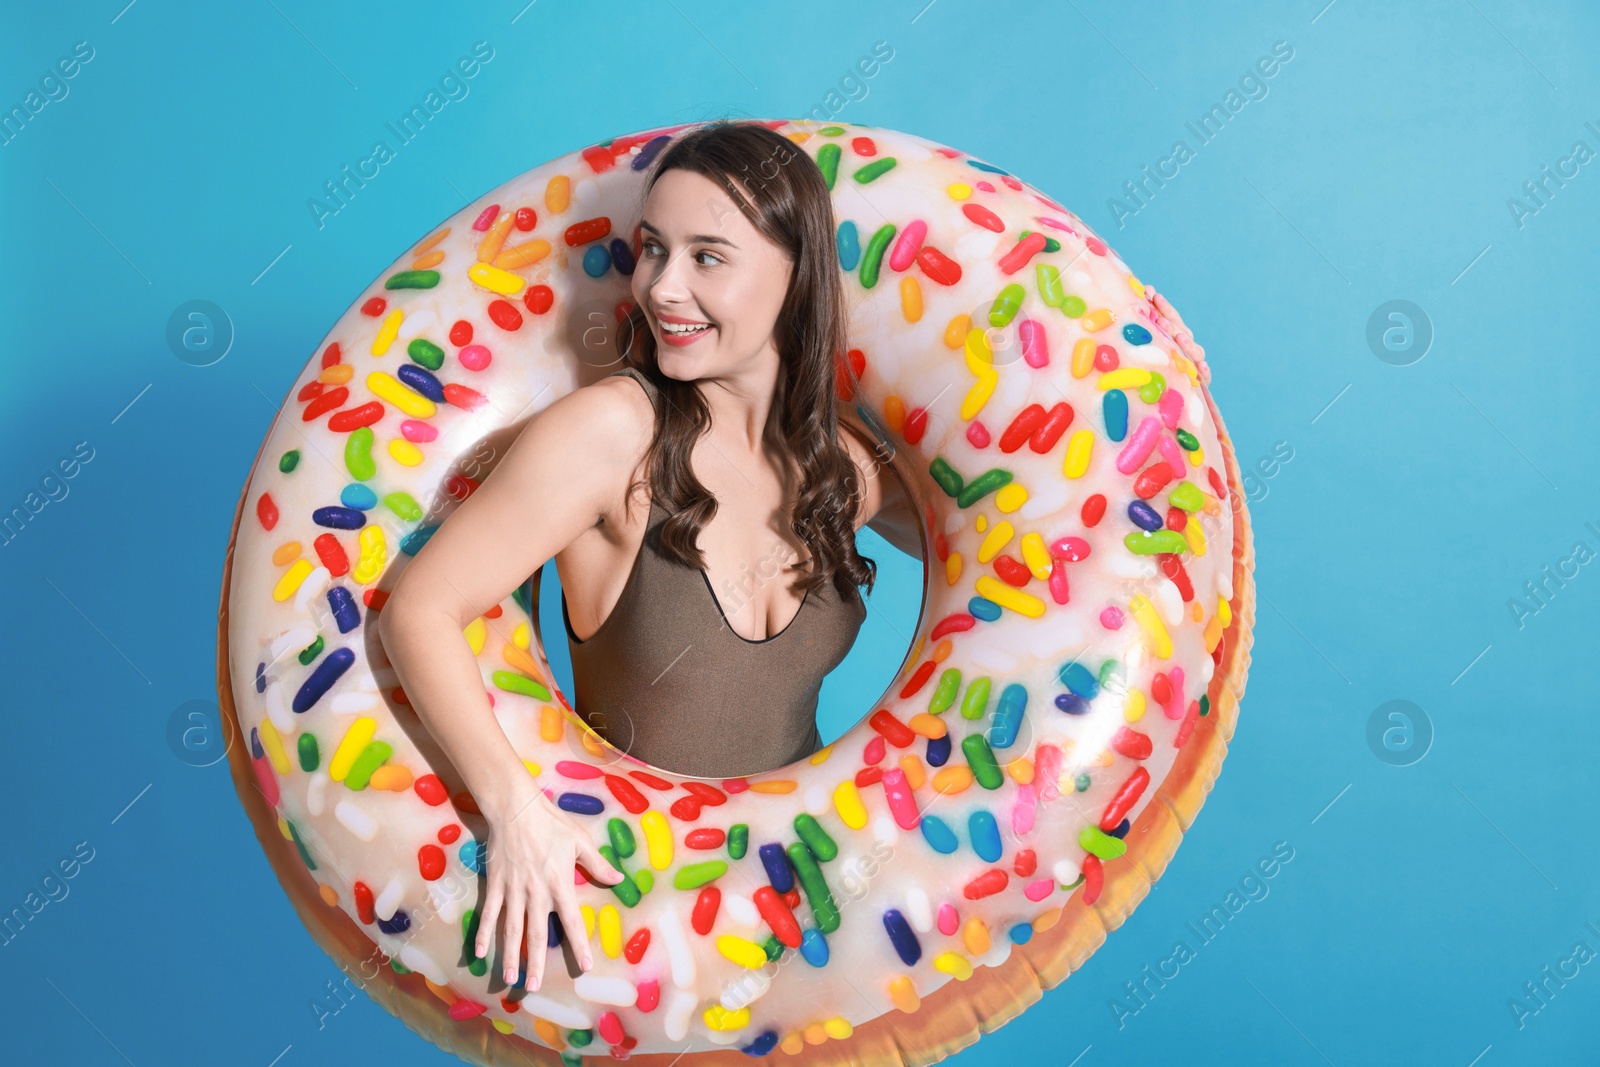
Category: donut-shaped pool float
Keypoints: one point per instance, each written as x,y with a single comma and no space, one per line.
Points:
1050,735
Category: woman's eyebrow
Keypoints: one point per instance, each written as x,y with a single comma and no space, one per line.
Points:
703,238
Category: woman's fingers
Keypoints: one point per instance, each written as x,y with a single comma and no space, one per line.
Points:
572,923
597,864
511,947
491,911
538,932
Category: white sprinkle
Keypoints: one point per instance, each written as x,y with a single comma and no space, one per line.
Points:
600,989
358,822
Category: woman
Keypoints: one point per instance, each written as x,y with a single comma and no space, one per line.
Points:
729,406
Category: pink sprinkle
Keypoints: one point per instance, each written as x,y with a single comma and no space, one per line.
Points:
1173,453
985,186
474,357
908,245
1038,890
948,919
1171,407
1054,224
649,995
418,431
1035,345
1047,771
576,769
978,434
1111,618
1022,810
1174,708
873,753
1140,442
486,219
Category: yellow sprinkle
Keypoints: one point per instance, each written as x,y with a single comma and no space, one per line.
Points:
387,332
955,332
430,242
952,778
952,568
657,838
1016,600
838,1028
1134,709
959,191
492,278
291,580
495,236
910,299
903,991
982,522
533,768
524,255
1010,497
1079,450
915,775
374,554
283,828
272,742
1098,319
404,452
741,951
975,935
773,785
1136,285
821,755
954,964
996,540
1196,537
588,920
1124,378
847,802
476,633
385,387
1224,611
1083,357
355,739
338,374
522,636
1036,555
610,924
558,194
1020,770
978,396
1197,457
925,725
1155,631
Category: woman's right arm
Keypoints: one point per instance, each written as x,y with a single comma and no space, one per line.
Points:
567,467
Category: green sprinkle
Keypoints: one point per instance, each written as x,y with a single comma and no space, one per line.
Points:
310,755
645,879
413,279
1144,543
816,838
1186,440
874,170
512,682
976,702
1074,307
945,476
695,875
372,757
944,694
1097,842
738,840
1048,279
426,353
1006,305
404,505
823,908
872,255
980,757
982,486
626,890
1187,495
311,651
828,163
621,835
289,461
358,454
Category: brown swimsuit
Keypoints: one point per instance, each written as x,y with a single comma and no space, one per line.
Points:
667,680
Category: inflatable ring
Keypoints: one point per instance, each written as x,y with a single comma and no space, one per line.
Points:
1052,732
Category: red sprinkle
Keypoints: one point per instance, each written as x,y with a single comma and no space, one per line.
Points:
1028,420
705,837
266,511
916,425
777,915
363,895
430,861
581,233
463,397
332,554
326,402
355,418
1012,571
1105,358
939,268
309,390
539,299
986,884
526,219
627,795
330,355
1093,878
1093,510
919,679
960,622
461,333
705,909
505,315
431,790
1126,797
651,780
634,950
1025,863
892,729
374,307
706,794
1152,480
1045,438
873,751
1021,252
982,216
1131,743
868,776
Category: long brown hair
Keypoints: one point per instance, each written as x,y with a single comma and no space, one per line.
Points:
787,200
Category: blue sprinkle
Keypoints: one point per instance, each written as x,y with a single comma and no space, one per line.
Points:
814,947
848,242
902,937
397,925
938,753
1122,829
1135,334
554,931
1021,933
622,256
343,605
333,665
1008,716
580,803
421,380
412,542
339,518
990,167
470,857
648,153
776,861
983,609
596,261
1144,516
1076,677
256,750
1071,703
1114,409
764,1043
985,835
938,835
358,495
261,677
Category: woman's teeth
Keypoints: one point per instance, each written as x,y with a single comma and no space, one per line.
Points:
682,329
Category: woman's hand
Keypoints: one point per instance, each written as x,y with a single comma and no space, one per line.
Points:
533,848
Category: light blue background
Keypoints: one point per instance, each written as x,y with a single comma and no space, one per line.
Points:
1419,499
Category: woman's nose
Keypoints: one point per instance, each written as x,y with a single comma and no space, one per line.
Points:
669,286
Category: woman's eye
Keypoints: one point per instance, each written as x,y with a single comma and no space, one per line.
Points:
714,259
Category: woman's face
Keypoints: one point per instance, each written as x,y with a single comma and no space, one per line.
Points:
702,264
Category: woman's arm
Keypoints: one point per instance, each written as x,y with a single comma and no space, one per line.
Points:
885,505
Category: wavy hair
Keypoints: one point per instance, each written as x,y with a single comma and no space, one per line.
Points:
787,200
